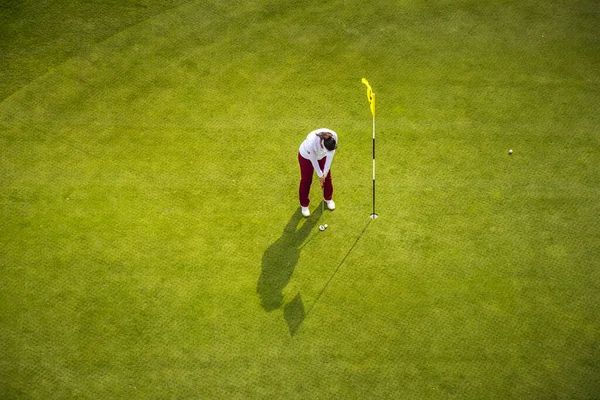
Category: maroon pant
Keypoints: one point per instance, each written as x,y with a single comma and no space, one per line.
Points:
306,173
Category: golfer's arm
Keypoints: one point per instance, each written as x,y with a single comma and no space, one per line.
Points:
317,167
328,162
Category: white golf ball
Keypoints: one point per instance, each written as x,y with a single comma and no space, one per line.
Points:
321,228
510,151
325,226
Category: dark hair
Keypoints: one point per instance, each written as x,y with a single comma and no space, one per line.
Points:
330,143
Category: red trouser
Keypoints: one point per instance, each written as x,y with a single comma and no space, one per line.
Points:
306,173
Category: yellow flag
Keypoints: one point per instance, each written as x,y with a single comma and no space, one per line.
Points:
370,95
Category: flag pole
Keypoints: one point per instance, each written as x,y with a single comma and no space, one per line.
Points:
371,97
374,214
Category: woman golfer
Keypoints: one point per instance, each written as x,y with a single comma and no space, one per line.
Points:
315,155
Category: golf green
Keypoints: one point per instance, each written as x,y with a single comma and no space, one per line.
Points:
152,244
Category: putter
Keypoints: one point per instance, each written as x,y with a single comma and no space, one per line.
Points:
323,226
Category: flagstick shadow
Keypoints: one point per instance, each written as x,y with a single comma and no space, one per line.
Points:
295,312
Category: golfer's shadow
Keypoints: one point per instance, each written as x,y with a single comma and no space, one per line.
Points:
280,260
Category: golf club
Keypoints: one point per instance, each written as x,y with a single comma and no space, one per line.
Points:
323,226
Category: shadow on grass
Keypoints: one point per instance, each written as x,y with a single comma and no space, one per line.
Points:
294,314
279,262
297,314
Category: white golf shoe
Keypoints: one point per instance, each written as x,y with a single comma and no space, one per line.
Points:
330,204
305,211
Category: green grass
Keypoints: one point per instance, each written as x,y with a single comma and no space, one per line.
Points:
151,242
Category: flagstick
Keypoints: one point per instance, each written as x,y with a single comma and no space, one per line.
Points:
374,215
371,97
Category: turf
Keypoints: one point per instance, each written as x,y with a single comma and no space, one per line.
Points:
151,241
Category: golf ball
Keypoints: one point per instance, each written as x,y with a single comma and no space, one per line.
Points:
325,226
510,152
321,228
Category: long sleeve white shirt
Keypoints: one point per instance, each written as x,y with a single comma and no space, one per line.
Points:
314,150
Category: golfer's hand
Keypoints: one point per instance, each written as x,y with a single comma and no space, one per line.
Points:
322,179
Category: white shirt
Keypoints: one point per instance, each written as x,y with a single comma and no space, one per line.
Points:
314,150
